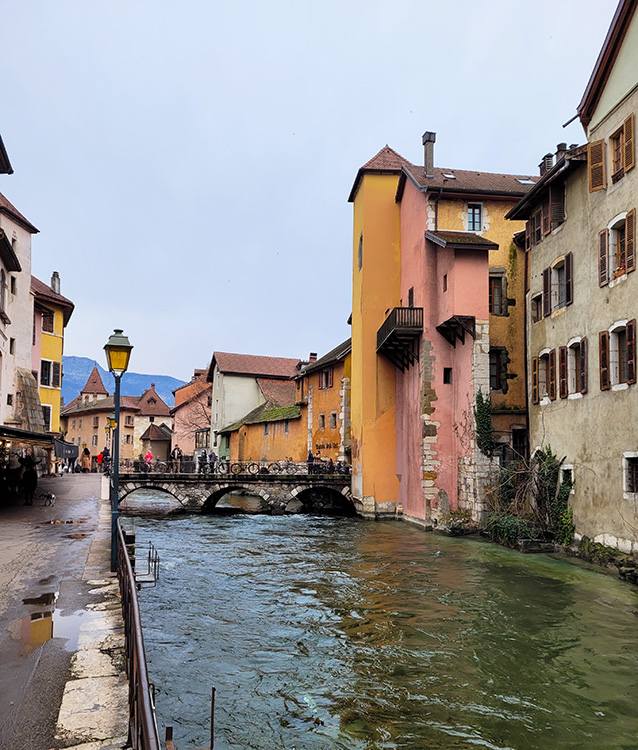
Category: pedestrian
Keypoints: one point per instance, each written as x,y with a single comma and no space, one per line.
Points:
330,467
212,460
99,459
85,461
29,481
148,458
202,462
106,459
176,455
310,461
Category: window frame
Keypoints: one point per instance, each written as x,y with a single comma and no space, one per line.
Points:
47,409
474,217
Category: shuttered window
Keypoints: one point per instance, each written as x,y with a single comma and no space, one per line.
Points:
631,351
569,287
603,263
596,164
55,379
628,138
552,375
582,370
562,371
603,337
557,205
547,289
545,217
630,240
535,398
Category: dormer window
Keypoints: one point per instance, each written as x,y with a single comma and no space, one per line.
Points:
152,402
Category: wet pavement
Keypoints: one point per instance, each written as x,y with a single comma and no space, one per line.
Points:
61,636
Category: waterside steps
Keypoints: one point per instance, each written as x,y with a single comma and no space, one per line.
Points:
145,566
169,729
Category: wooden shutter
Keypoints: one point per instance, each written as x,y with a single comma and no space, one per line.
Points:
528,235
569,286
631,351
562,371
628,138
330,371
55,381
552,374
604,360
630,241
596,162
603,264
547,292
545,219
557,204
534,380
582,385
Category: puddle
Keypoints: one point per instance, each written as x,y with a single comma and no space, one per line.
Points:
75,536
72,520
43,599
35,629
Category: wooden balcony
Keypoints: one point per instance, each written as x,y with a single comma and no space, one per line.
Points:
398,337
456,327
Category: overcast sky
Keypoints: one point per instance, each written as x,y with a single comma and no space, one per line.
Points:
188,164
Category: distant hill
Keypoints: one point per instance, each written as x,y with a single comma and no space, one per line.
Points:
77,369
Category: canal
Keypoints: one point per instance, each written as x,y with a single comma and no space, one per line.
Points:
337,633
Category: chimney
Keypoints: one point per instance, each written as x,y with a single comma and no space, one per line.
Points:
55,282
312,357
561,150
428,147
546,164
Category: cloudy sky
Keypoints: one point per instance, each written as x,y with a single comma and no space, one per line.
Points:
188,164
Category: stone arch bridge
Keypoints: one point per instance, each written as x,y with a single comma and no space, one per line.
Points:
201,492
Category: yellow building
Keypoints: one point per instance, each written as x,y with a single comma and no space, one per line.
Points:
51,315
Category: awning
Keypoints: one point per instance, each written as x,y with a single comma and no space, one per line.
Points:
25,436
66,450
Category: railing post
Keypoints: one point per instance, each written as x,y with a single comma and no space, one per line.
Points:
212,719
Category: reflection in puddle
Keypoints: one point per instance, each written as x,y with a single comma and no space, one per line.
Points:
43,599
75,536
35,629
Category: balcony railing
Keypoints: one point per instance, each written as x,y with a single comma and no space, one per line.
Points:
398,337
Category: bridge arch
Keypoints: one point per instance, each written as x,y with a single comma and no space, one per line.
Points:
325,499
221,490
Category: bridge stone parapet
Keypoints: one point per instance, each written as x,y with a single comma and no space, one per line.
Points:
196,492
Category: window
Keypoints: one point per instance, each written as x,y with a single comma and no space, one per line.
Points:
447,375
544,376
572,368
596,165
411,297
2,289
286,426
266,428
47,321
46,413
322,421
445,282
325,378
360,252
618,355
622,150
94,440
12,346
558,285
617,144
202,438
333,420
73,425
497,295
537,308
495,369
474,217
49,373
96,421
616,248
216,410
14,285
128,421
630,466
127,439
73,441
9,399
151,419
80,423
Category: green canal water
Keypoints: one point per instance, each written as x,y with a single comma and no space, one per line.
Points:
339,633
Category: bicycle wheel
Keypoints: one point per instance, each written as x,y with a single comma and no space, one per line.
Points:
253,468
274,467
236,468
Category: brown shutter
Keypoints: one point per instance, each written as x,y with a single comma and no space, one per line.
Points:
330,378
547,289
630,240
56,375
596,161
557,204
582,386
546,227
604,360
603,276
631,351
569,286
628,137
562,371
534,380
528,235
552,374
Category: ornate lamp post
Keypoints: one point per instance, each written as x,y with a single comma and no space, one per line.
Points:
118,352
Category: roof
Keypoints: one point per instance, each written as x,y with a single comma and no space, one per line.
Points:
44,293
465,182
5,164
338,354
94,383
152,404
196,389
79,406
606,59
7,253
6,207
280,392
157,432
253,365
265,413
387,161
461,240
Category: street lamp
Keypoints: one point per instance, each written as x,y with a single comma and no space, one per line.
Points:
118,352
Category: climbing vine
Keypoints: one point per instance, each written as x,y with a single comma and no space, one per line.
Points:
484,429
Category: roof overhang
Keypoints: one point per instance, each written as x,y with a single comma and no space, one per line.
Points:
5,164
462,241
7,253
25,436
450,193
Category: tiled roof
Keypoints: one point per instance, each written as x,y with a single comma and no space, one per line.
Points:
155,432
460,240
265,413
280,392
151,404
338,354
8,208
387,161
467,181
250,364
94,384
78,406
44,292
189,392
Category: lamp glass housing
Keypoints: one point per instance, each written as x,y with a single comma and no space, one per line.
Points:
118,352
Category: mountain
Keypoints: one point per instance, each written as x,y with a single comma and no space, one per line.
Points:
77,369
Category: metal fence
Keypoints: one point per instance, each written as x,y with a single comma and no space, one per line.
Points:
143,732
196,465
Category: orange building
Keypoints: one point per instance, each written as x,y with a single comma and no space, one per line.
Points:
191,414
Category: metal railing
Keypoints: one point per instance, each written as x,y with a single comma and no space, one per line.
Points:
143,731
222,466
